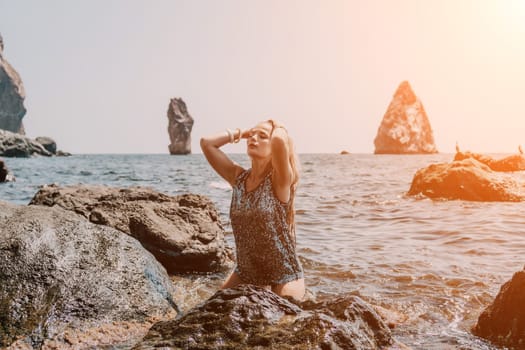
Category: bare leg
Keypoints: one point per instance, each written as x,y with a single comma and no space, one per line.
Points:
232,281
295,289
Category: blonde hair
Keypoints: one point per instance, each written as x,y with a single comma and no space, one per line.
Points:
294,164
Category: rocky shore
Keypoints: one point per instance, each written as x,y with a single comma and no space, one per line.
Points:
74,275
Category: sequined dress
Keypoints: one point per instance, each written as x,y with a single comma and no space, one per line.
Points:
265,247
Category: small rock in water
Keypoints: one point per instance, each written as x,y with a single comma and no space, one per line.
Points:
5,175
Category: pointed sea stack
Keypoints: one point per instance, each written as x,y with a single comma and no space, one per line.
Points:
12,96
405,128
179,127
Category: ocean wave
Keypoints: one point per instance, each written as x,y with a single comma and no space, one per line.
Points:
222,185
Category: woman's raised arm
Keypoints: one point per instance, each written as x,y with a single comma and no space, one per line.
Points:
220,162
283,177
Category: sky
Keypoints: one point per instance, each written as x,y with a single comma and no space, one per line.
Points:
99,74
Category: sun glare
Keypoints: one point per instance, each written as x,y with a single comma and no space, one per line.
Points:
514,14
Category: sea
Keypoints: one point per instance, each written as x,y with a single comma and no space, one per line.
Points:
431,266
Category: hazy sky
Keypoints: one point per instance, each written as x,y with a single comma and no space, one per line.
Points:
99,74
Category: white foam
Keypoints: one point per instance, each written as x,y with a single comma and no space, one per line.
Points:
223,185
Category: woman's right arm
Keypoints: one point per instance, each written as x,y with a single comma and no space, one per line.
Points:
220,162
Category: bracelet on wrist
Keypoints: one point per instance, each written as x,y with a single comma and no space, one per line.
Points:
230,135
237,139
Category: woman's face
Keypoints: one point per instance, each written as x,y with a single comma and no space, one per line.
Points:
258,142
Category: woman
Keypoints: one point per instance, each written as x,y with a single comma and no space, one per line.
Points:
262,210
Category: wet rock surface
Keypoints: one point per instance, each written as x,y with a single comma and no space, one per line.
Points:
250,317
183,232
12,96
515,162
467,179
180,124
5,174
60,272
503,322
405,128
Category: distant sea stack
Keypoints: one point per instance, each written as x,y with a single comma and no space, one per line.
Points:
180,124
12,96
405,128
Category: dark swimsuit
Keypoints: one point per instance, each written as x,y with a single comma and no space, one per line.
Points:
264,244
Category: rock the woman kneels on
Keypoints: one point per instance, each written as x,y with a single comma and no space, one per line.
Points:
262,207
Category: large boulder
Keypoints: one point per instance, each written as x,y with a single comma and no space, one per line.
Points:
12,96
514,162
59,272
183,232
17,145
405,128
467,179
180,124
503,322
250,317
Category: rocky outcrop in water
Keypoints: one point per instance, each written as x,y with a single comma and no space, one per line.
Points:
12,96
58,272
48,143
405,128
180,124
17,145
503,322
515,162
5,174
249,317
183,232
467,179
